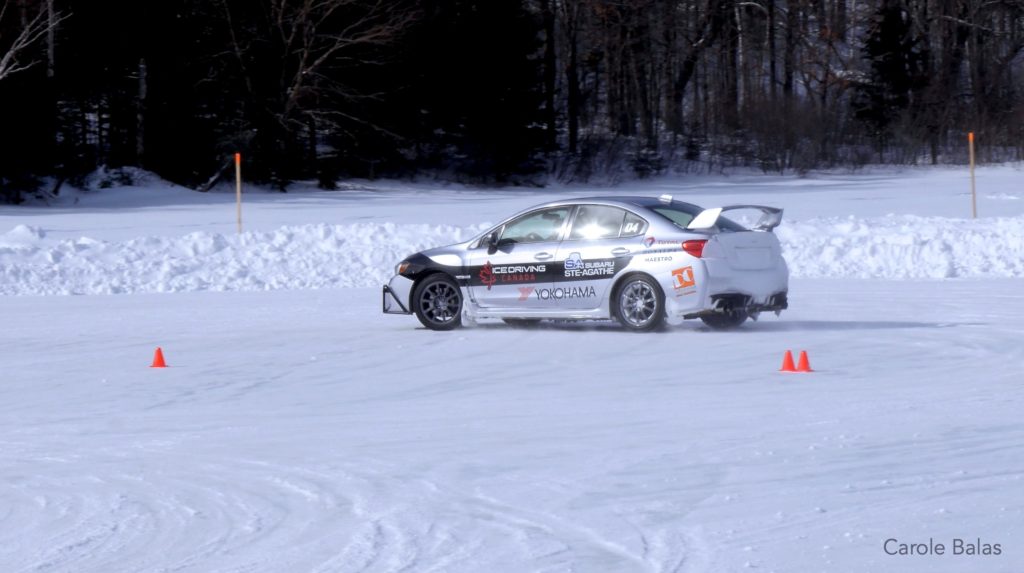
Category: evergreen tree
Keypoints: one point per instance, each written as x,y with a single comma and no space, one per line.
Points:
479,88
897,66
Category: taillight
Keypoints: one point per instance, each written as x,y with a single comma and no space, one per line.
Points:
694,248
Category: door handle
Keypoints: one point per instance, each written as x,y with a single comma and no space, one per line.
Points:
619,251
542,256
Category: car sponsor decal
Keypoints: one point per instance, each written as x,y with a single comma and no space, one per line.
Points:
683,281
658,259
576,267
487,276
518,269
683,278
651,241
490,275
663,246
573,262
558,293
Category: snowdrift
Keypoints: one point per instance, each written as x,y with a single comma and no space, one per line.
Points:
364,254
904,247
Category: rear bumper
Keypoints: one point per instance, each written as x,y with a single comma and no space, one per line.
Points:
758,283
725,303
730,302
718,288
395,296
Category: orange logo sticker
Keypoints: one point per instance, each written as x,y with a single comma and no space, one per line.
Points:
684,278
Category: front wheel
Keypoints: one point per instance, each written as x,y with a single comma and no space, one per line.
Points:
437,302
640,304
725,320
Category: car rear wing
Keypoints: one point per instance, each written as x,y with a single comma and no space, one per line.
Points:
771,217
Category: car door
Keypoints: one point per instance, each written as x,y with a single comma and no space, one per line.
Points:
512,275
599,244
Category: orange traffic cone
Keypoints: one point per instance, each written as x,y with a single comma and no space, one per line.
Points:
158,359
787,363
804,365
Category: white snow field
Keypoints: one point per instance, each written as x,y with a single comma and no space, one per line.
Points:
297,429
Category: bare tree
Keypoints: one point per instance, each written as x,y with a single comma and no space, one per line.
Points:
35,24
316,35
316,43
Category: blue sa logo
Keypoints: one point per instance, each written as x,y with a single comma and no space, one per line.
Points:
574,262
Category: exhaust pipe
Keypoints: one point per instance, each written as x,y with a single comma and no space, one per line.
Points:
730,303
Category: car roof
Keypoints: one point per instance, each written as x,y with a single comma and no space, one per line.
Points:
622,200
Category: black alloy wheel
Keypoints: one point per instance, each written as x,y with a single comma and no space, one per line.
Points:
437,302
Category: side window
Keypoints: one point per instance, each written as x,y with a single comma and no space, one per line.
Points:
544,225
597,222
633,226
679,217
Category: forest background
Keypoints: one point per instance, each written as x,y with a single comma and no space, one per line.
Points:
499,91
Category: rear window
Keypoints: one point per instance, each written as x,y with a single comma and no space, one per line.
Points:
681,214
633,226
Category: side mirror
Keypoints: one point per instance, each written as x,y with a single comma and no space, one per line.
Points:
492,242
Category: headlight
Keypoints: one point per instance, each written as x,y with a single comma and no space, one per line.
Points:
401,268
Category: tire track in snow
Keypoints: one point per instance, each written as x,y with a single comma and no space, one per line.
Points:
218,515
209,514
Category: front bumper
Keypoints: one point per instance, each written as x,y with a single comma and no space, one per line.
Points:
395,296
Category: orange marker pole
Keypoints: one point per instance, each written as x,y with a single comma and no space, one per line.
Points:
974,195
238,188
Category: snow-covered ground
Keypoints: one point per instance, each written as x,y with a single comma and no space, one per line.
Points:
301,430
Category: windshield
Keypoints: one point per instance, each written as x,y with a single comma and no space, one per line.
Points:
681,214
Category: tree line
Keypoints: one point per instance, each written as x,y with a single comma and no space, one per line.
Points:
499,91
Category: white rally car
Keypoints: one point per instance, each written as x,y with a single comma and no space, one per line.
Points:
639,260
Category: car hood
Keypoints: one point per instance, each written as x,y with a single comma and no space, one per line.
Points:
449,255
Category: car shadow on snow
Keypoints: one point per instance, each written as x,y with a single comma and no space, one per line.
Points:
555,325
750,326
822,325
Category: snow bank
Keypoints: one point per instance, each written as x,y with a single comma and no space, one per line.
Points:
904,247
22,235
364,254
307,256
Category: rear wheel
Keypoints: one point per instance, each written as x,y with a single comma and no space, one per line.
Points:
724,320
437,302
640,304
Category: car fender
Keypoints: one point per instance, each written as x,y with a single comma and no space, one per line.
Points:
682,278
625,274
685,286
